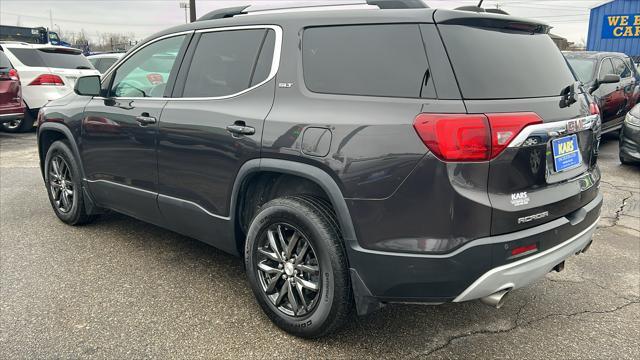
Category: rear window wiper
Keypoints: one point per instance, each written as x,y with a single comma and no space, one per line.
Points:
82,67
568,95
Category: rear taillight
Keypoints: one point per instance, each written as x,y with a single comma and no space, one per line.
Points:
505,127
471,137
13,74
47,79
594,109
463,137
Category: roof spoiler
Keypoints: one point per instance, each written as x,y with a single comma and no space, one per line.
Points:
381,4
474,16
481,9
60,49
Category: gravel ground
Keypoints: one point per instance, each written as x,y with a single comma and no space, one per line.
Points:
120,288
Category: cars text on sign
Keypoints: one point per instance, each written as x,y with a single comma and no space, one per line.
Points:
621,26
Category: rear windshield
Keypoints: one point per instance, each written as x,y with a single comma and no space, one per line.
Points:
584,68
54,58
500,64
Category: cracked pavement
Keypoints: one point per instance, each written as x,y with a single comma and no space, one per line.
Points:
121,288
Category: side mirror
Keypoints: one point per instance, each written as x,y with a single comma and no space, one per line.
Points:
88,85
609,79
604,79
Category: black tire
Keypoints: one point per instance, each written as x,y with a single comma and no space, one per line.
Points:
624,161
19,126
75,213
315,220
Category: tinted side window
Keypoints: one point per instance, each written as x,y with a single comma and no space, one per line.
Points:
4,61
630,64
265,60
376,60
223,63
145,73
105,64
606,68
620,68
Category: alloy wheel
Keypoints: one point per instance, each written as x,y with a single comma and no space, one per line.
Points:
288,270
62,189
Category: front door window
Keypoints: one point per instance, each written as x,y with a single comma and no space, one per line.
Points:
145,73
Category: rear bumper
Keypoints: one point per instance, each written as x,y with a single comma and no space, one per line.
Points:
6,117
630,143
523,272
38,96
477,269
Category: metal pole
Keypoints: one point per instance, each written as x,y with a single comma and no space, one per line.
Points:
192,10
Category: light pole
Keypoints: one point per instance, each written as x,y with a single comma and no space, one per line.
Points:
192,10
185,6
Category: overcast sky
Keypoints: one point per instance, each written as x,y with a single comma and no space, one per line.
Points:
144,17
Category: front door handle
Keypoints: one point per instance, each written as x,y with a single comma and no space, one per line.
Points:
239,128
145,119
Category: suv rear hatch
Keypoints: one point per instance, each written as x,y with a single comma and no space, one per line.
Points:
510,68
66,63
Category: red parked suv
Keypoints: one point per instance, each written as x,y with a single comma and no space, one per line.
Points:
11,105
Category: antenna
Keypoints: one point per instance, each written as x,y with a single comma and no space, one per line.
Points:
480,3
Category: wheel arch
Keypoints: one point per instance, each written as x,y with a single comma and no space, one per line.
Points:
312,173
50,132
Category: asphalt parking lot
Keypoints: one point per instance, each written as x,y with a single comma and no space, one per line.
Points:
120,288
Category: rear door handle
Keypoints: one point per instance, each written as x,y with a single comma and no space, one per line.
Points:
145,119
239,128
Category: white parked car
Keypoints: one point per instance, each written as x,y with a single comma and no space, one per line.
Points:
47,73
102,62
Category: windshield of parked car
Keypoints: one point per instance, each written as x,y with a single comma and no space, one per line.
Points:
583,68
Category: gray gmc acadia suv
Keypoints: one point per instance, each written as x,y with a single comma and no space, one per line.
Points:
354,158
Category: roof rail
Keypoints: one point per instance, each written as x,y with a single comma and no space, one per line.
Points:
224,13
398,4
381,4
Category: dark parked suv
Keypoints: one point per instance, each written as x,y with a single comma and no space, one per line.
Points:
614,97
353,158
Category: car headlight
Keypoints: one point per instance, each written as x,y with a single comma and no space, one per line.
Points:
632,120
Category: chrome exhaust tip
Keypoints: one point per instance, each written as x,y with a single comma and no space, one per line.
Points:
496,299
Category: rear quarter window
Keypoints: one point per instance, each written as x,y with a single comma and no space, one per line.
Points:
370,60
105,64
491,63
4,61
